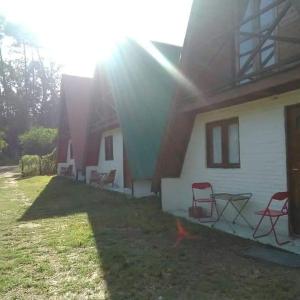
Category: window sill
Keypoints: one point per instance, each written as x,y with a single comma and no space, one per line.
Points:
224,167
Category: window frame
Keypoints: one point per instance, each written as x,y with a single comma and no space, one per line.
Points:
224,124
257,28
109,147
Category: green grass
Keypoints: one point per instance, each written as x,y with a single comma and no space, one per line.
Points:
60,239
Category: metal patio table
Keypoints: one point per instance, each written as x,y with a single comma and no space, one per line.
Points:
233,199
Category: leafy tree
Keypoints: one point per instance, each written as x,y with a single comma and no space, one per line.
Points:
29,84
38,140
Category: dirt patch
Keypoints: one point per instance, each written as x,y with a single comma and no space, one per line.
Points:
4,169
29,225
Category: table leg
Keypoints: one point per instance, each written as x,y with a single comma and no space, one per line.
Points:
239,213
221,214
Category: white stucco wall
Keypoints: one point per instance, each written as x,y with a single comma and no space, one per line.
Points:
69,161
105,166
142,188
262,157
117,163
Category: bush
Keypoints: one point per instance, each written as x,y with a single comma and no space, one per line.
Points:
38,141
48,163
32,165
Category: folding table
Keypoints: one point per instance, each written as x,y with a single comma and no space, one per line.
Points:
233,199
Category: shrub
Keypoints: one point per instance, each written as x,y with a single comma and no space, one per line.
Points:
38,140
30,165
48,163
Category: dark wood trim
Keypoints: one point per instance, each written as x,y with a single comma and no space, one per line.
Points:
286,109
266,87
224,124
287,164
273,69
102,124
261,50
105,127
127,178
271,37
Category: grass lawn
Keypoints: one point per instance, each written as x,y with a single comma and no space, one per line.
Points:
60,239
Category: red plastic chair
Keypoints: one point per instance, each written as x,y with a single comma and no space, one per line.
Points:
273,214
210,200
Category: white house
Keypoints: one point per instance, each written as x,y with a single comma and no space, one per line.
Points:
241,132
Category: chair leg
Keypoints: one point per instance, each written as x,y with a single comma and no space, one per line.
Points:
211,209
273,224
268,232
275,234
264,234
257,227
215,203
208,219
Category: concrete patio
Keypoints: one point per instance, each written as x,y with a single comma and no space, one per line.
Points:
245,232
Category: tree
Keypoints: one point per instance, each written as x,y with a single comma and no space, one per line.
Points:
29,84
38,140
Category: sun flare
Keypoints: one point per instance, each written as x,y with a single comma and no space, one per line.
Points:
77,34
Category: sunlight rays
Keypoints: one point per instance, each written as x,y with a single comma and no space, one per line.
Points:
170,68
78,34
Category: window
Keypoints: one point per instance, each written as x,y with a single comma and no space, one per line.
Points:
258,16
223,145
109,148
71,151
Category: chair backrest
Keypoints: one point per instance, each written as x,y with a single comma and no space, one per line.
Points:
111,176
197,186
201,185
281,197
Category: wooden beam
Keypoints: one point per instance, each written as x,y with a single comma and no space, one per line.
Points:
262,49
267,59
260,12
104,125
266,36
277,83
271,37
275,67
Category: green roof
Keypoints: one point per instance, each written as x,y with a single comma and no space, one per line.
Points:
142,89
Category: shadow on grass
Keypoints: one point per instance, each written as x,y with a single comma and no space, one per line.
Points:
133,237
134,241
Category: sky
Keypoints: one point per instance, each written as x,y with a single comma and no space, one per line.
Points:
79,33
